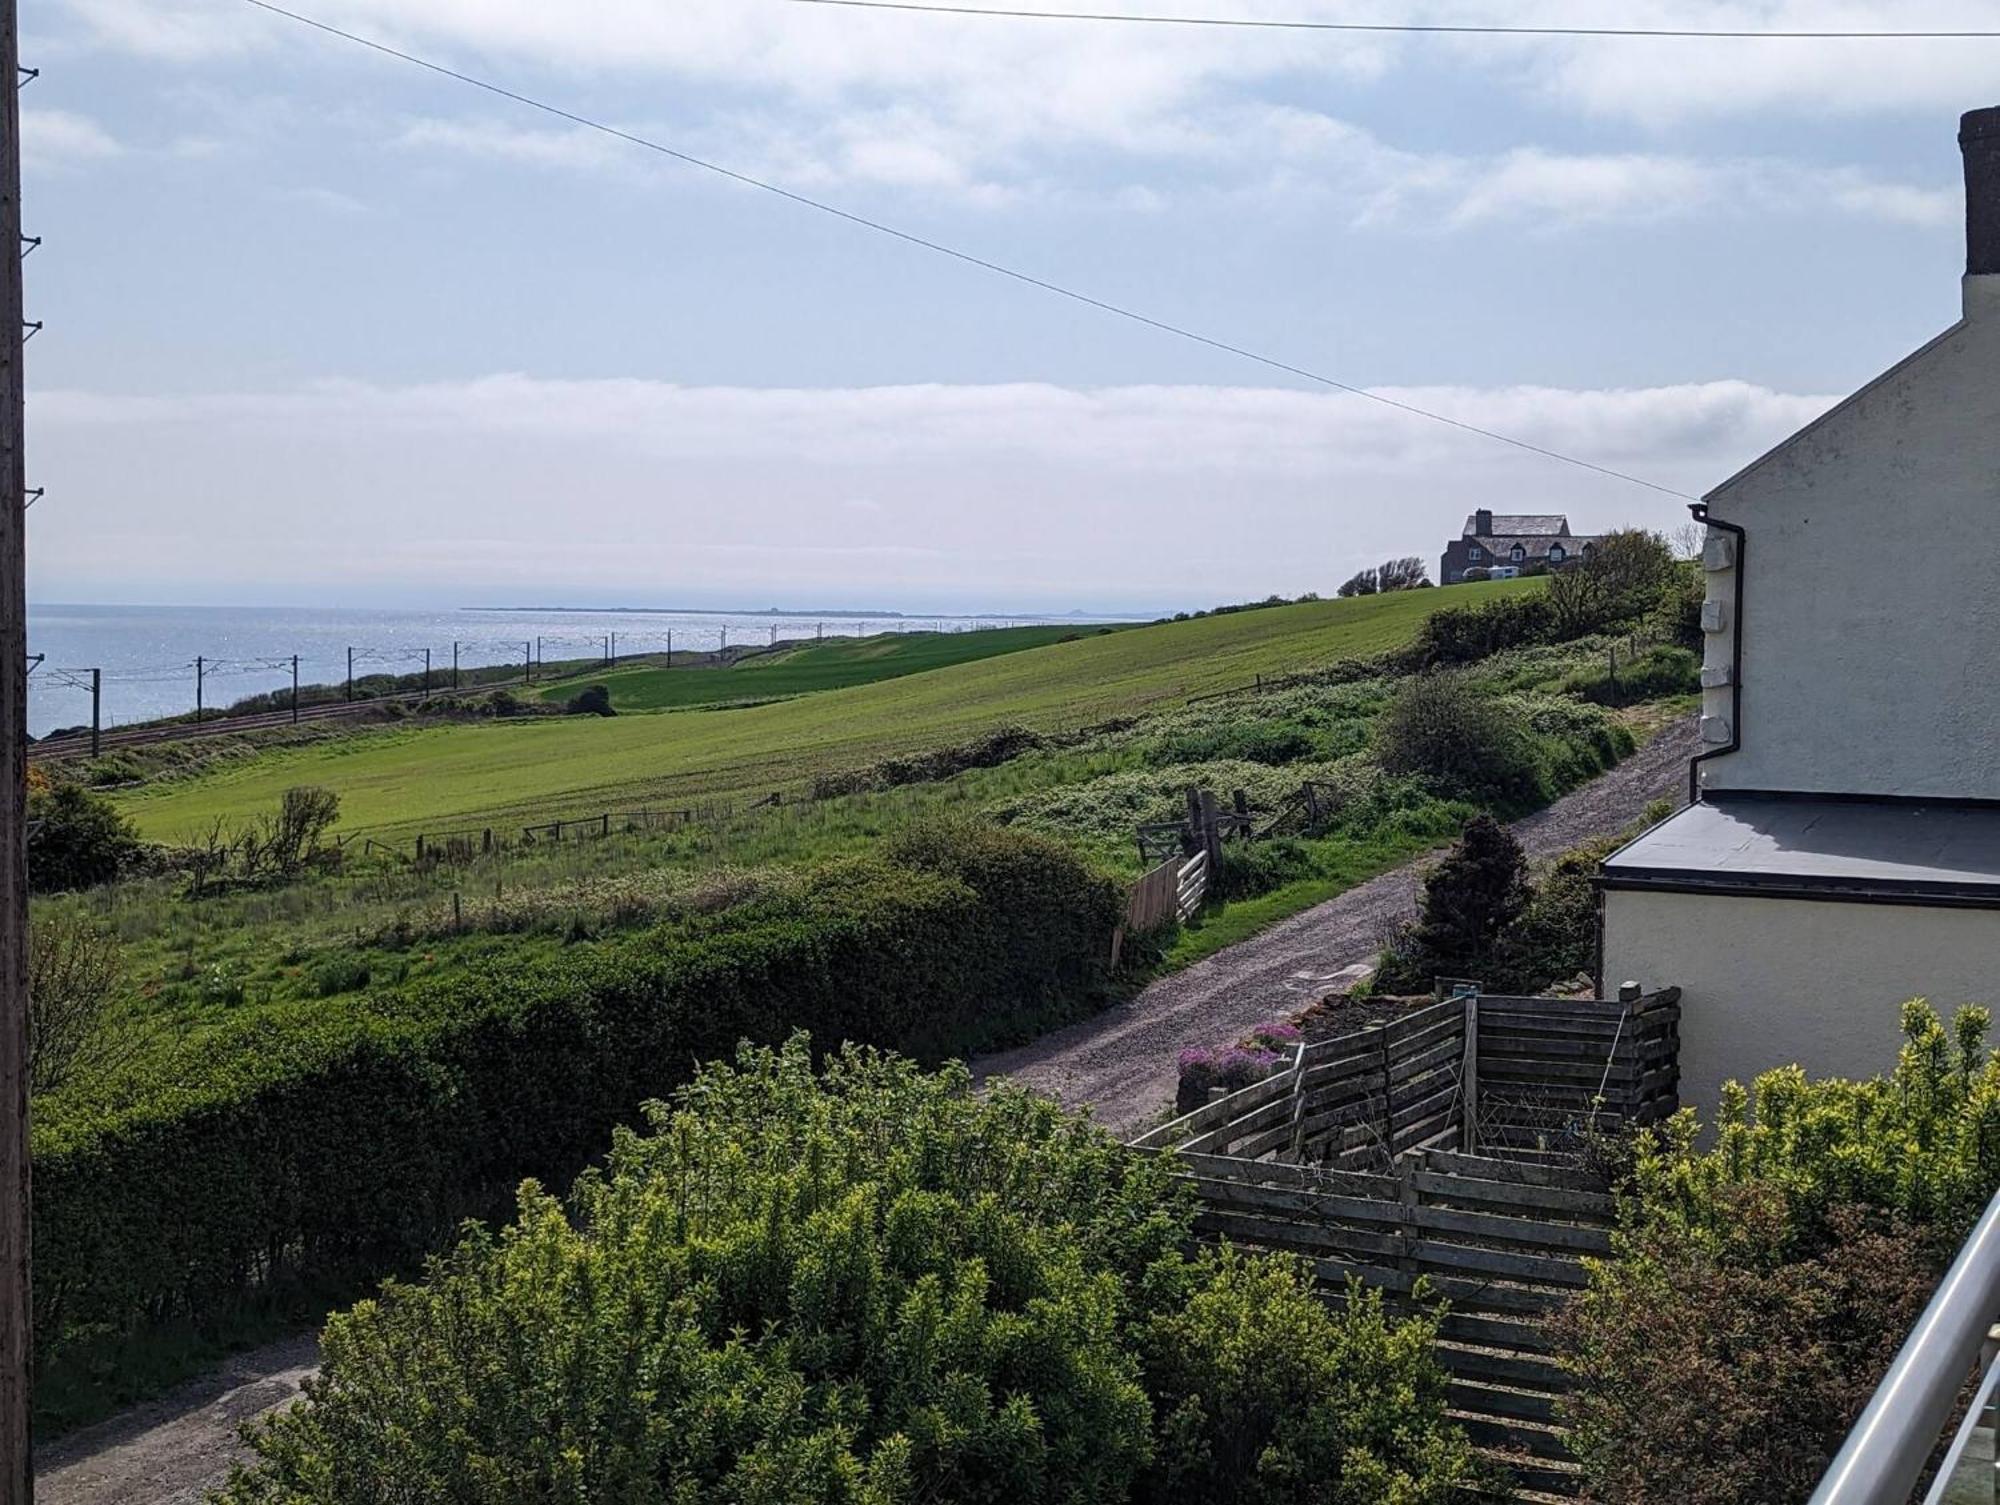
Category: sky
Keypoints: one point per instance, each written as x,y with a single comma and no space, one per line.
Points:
323,327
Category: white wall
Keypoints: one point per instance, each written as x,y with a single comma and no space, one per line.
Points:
1770,982
1871,631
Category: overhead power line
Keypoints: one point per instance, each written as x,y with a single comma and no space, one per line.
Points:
941,249
1403,27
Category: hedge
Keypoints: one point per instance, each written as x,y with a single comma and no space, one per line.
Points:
330,1143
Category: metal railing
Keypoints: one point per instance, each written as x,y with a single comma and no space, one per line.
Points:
1885,1455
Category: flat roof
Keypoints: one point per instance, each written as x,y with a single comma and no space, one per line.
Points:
1819,847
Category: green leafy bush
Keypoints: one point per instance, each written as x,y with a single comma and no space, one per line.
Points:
1250,868
868,1287
1468,745
591,700
76,839
1470,900
332,1140
1808,1238
1457,635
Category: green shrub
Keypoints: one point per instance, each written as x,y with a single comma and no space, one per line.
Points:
312,1141
1807,1238
1727,1368
1267,1394
1470,900
76,839
1555,936
591,700
1465,634
1250,868
1465,744
871,1287
342,972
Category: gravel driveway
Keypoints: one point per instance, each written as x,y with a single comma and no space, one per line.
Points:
1122,1061
173,1451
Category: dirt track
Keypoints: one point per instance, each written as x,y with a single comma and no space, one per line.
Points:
173,1451
1122,1061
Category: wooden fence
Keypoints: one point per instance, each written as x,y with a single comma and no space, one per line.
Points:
1535,1077
1499,1241
1172,891
1451,1146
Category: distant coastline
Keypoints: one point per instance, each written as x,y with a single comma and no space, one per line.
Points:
830,613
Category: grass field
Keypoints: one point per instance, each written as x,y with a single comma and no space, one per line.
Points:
434,777
806,669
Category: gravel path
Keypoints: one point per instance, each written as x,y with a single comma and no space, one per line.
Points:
1122,1061
174,1450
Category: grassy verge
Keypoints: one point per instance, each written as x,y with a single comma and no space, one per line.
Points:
1232,922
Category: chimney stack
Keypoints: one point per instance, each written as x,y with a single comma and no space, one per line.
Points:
1979,139
1482,524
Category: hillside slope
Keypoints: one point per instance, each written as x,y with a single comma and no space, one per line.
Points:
808,668
498,772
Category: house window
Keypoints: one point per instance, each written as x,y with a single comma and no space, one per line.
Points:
1589,549
1557,554
1472,551
1519,553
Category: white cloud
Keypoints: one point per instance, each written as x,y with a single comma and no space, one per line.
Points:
1016,491
62,138
990,110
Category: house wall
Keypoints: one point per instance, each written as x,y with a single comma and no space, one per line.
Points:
1770,982
1871,614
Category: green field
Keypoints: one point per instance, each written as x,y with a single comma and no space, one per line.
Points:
811,667
496,772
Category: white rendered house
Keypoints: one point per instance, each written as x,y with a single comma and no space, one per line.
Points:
1843,850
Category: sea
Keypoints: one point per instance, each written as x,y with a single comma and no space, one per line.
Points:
146,654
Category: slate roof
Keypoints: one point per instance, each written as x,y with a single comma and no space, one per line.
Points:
1511,525
1533,547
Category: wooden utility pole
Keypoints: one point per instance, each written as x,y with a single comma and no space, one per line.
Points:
96,709
350,674
454,665
295,689
197,659
17,1478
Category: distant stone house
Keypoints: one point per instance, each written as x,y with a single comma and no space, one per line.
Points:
1510,542
1842,853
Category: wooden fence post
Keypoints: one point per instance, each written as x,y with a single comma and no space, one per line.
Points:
1194,843
1211,834
1468,1079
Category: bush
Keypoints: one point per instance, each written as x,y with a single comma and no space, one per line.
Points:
76,839
1466,634
872,1287
1808,1238
1266,1393
1465,744
1654,675
73,972
1555,937
1250,868
284,1143
1471,898
592,700
1747,1403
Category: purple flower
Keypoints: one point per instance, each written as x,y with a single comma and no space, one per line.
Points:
1197,1069
1239,1068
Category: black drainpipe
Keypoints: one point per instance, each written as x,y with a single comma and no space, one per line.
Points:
1701,515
